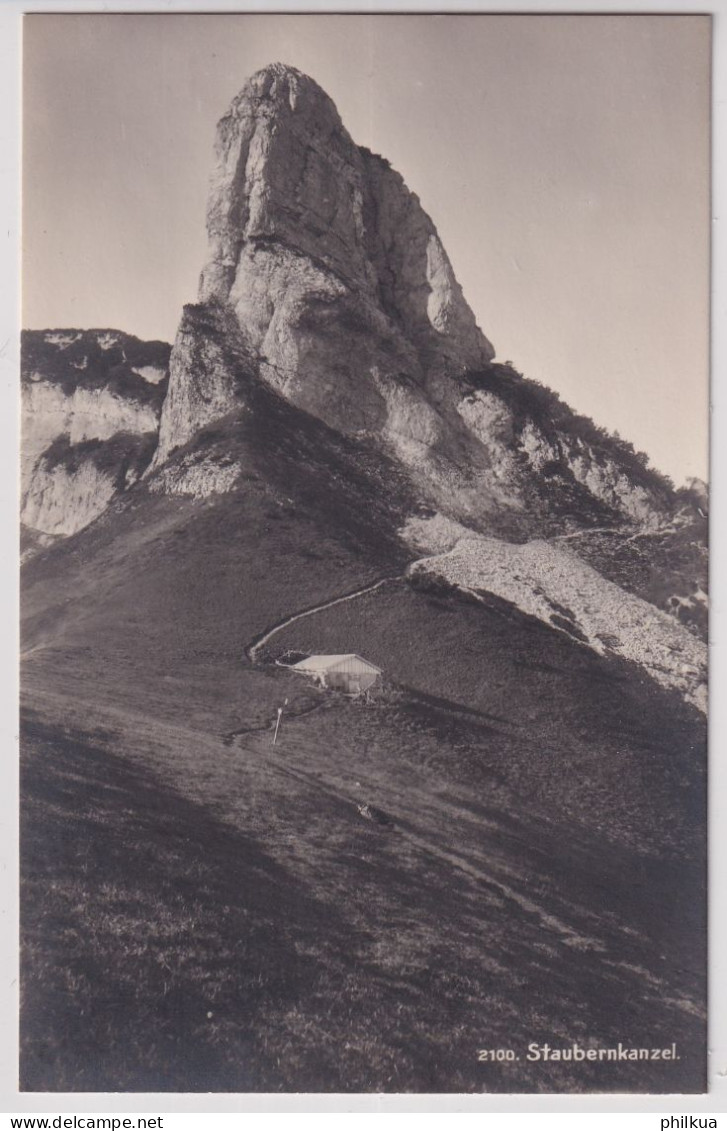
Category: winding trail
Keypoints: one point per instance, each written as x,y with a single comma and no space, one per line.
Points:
586,530
258,642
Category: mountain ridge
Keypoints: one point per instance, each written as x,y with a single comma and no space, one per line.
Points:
90,407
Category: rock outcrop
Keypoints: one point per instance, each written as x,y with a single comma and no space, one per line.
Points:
338,285
72,484
312,237
331,280
91,402
209,365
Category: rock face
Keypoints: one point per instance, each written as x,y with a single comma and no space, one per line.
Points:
91,402
209,361
330,279
337,281
308,234
72,484
535,441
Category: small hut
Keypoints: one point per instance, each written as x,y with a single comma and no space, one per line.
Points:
348,673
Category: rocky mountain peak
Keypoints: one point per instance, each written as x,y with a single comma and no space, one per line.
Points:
327,275
283,89
331,345
265,185
326,257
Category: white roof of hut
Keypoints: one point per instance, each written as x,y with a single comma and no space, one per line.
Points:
324,663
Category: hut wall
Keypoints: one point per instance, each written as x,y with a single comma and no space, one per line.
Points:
351,682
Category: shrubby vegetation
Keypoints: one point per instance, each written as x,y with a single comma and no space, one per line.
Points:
529,400
667,567
84,362
124,452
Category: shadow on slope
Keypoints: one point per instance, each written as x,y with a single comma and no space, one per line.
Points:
165,948
499,700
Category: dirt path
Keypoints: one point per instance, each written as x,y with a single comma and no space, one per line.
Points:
585,531
258,642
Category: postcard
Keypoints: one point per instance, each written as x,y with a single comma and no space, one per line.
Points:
365,366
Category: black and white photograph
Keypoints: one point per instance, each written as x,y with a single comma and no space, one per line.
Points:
364,540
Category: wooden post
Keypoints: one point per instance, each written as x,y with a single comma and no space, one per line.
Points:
277,721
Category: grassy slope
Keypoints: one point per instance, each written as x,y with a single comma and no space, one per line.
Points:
201,916
189,876
587,740
162,593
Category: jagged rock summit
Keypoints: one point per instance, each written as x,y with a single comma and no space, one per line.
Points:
305,226
327,280
336,276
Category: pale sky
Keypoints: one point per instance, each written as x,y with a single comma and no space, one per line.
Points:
563,159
